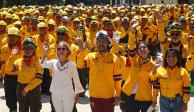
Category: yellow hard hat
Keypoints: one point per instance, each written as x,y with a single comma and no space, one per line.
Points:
51,22
42,25
14,31
3,23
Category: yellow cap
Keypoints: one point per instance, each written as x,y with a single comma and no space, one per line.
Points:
17,23
76,20
16,17
8,16
41,18
3,23
42,25
14,31
51,22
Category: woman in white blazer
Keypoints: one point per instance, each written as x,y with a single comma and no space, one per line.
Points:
63,71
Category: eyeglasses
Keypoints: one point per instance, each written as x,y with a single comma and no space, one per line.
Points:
59,49
61,33
175,34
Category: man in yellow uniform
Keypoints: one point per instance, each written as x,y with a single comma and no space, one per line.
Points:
104,74
40,39
3,32
175,33
9,53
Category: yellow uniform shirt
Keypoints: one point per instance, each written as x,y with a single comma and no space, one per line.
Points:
104,75
165,44
190,63
8,58
125,67
30,75
39,43
171,82
139,75
2,36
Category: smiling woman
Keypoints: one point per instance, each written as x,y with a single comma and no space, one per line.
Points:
178,94
62,93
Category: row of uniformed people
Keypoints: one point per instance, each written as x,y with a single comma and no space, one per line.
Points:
160,21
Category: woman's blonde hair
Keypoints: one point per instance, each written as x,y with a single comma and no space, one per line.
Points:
64,44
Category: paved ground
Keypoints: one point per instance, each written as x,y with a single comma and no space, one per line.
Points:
83,105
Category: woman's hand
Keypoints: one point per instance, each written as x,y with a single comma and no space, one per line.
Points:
46,48
154,103
24,92
184,107
77,98
117,99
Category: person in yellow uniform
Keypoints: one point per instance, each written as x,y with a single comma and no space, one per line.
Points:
175,32
104,74
30,77
40,39
7,59
174,97
137,90
190,39
3,32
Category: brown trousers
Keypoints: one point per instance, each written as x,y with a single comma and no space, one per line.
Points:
29,102
102,105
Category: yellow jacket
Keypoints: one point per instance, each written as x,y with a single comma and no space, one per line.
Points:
165,44
8,59
140,75
30,75
39,43
104,74
171,82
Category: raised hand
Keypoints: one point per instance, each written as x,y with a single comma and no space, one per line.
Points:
158,16
46,48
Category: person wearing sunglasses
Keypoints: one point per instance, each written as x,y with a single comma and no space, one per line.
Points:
62,34
173,82
62,90
176,40
29,78
190,39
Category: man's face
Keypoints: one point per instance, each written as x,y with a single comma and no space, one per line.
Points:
191,29
102,44
175,36
51,27
2,28
12,39
43,31
62,36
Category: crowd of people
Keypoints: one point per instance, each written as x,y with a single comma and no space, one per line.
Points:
126,55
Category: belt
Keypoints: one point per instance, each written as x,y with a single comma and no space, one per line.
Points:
172,98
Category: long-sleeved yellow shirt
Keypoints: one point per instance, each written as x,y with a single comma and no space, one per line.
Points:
125,67
39,43
140,75
8,59
30,75
171,82
165,44
104,74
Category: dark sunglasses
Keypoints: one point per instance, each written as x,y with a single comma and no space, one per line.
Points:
59,49
61,33
175,34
